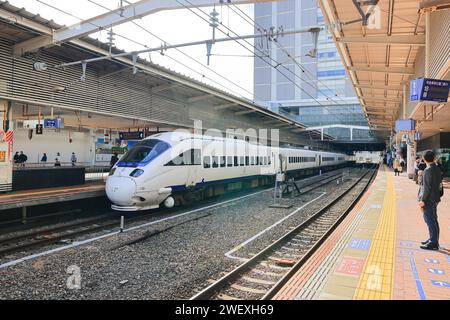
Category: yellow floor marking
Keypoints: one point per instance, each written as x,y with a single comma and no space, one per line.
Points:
377,279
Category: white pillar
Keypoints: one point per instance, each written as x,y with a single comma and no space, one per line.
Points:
412,152
6,147
321,131
351,134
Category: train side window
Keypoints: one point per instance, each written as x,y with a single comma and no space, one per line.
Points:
270,161
215,162
247,161
223,162
207,162
261,161
265,161
230,161
252,161
257,161
236,161
242,161
187,158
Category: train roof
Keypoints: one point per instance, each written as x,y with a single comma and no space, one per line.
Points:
179,136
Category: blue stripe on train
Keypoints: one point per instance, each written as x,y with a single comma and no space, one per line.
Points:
209,183
231,180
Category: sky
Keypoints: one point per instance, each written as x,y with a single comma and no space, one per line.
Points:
174,27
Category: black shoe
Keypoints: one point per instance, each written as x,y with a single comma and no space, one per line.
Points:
429,246
425,242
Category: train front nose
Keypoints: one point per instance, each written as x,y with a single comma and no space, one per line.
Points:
121,190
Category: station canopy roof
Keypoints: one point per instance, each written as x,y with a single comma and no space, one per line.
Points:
380,57
18,25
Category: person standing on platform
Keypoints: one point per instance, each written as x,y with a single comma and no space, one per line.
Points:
397,167
22,159
16,158
429,198
114,160
44,159
58,160
73,159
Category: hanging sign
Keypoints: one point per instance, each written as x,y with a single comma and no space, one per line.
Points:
425,89
138,135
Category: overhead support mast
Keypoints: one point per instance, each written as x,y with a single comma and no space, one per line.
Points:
113,18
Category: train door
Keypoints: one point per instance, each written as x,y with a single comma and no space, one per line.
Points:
320,160
193,169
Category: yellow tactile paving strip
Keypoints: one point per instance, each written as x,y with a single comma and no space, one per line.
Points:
376,282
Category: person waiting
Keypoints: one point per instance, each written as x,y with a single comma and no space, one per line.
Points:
114,160
44,159
16,158
397,167
73,159
22,159
58,160
429,196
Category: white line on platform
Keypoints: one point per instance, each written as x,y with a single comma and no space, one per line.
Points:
80,243
230,255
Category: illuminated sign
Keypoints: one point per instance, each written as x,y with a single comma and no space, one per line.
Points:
424,89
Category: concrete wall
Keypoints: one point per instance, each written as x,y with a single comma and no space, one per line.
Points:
52,142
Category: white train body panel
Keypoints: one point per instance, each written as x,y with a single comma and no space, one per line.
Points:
166,163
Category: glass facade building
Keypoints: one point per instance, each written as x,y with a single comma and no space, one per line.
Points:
315,91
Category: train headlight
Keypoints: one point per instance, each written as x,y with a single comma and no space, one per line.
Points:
111,173
137,173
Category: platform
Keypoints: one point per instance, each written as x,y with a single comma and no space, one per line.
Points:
28,198
374,254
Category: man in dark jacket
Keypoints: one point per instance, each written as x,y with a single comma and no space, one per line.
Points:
429,198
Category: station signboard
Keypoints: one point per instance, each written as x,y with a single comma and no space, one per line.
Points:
405,125
137,135
433,90
57,123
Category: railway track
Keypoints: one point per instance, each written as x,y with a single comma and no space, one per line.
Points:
261,277
68,232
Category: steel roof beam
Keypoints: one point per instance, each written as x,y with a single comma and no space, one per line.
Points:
113,18
225,106
409,40
393,70
200,98
242,113
375,87
164,87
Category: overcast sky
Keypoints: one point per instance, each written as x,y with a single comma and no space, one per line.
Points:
174,27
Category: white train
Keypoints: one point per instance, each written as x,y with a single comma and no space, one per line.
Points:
167,166
367,157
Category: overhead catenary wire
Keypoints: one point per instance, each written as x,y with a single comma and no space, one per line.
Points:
180,51
277,64
203,76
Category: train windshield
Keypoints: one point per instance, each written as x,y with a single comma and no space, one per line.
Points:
143,153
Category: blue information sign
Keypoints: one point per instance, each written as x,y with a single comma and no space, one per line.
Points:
405,125
53,123
425,89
